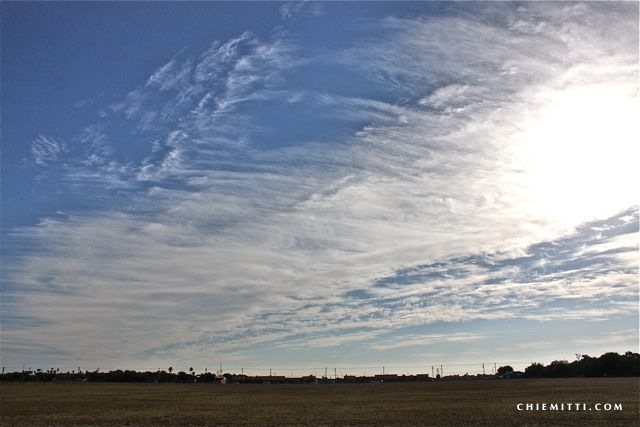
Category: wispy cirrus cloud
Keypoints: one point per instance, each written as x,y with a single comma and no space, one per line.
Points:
225,74
422,339
626,336
46,150
95,146
292,11
266,205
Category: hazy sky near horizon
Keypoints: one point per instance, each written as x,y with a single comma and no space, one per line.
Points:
318,184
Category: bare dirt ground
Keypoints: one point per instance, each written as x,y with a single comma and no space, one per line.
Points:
462,403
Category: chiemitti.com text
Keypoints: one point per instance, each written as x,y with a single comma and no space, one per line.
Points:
569,407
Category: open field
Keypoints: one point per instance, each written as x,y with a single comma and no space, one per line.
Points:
490,402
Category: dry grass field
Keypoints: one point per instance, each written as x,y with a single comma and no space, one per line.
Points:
464,403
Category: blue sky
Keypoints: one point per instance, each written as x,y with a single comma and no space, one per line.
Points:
294,185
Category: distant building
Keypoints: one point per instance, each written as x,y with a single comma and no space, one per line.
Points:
386,377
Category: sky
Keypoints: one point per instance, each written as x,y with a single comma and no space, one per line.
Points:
304,185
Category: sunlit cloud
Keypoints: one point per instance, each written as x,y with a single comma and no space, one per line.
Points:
478,167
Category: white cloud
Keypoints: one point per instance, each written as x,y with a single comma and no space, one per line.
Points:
627,336
46,150
96,147
453,96
236,244
425,339
292,11
171,75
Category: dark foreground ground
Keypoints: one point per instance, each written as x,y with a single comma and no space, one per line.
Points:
463,403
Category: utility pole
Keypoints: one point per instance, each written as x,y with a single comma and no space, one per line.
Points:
432,374
269,371
325,372
441,371
335,373
483,369
494,369
382,369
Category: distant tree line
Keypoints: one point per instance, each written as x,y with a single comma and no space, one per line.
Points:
126,376
607,365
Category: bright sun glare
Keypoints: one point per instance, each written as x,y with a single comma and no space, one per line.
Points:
579,153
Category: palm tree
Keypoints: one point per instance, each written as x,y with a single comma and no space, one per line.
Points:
170,369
